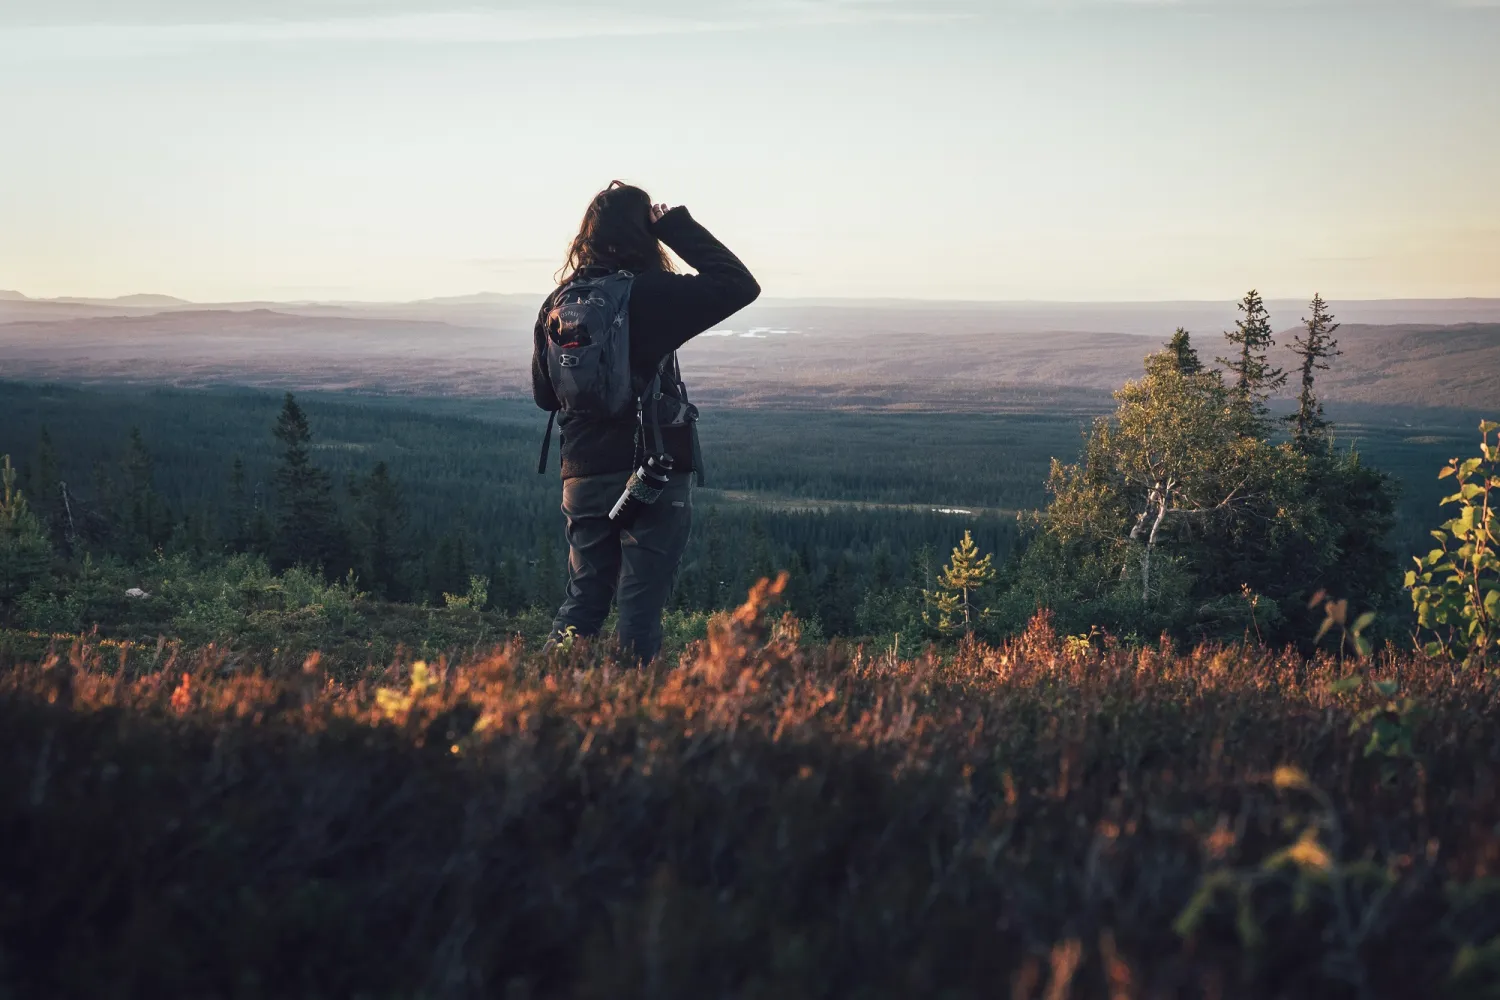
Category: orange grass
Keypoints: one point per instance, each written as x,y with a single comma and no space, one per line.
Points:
758,820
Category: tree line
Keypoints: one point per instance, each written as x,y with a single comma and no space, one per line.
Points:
1194,511
471,519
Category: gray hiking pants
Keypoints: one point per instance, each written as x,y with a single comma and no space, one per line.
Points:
634,565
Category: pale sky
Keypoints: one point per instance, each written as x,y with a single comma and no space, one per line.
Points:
974,149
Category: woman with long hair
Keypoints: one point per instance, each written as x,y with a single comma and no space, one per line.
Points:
624,234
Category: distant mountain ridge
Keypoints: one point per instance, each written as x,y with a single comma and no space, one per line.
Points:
1151,317
143,299
822,356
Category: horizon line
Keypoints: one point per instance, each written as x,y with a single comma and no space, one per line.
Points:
480,298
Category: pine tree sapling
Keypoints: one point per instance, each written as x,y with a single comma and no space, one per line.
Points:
959,584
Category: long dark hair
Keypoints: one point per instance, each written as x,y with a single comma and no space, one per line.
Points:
616,235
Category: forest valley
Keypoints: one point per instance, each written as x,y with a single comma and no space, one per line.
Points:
1193,513
289,733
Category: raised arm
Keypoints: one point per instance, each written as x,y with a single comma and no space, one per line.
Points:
667,310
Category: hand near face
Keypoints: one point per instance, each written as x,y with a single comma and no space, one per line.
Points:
657,211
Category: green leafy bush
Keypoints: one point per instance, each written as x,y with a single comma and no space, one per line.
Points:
1456,588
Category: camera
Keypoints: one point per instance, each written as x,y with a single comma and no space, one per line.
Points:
642,489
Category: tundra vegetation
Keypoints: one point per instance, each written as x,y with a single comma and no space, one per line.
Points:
1186,734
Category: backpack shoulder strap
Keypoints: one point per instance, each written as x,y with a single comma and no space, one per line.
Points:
541,465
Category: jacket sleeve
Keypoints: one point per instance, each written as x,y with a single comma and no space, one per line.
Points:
541,382
667,310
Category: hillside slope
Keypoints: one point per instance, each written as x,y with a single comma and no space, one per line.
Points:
825,356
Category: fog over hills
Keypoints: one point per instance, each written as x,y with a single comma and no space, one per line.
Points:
827,353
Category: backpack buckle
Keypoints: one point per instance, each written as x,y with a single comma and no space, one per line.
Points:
568,360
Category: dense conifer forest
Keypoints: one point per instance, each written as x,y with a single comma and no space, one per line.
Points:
853,504
418,497
1124,703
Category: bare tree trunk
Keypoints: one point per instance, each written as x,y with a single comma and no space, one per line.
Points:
1135,534
1162,498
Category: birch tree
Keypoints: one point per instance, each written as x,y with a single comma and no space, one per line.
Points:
1173,451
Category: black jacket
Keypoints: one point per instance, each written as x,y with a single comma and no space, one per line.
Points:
666,311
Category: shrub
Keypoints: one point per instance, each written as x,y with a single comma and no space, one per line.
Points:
757,819
1456,588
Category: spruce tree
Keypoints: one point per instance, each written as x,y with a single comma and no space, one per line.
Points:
763,563
25,552
1309,427
1255,378
882,568
104,504
799,595
238,528
382,521
262,538
836,601
446,566
1183,355
146,520
505,590
308,532
47,487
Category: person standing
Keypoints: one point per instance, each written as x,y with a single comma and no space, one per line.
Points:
618,316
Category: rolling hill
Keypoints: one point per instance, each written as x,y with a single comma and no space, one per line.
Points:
903,355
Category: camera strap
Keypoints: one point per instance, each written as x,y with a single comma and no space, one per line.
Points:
697,454
692,411
649,400
650,414
541,466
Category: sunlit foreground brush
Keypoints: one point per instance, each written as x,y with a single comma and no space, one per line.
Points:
1045,818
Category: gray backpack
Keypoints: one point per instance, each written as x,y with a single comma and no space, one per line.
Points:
588,346
587,340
